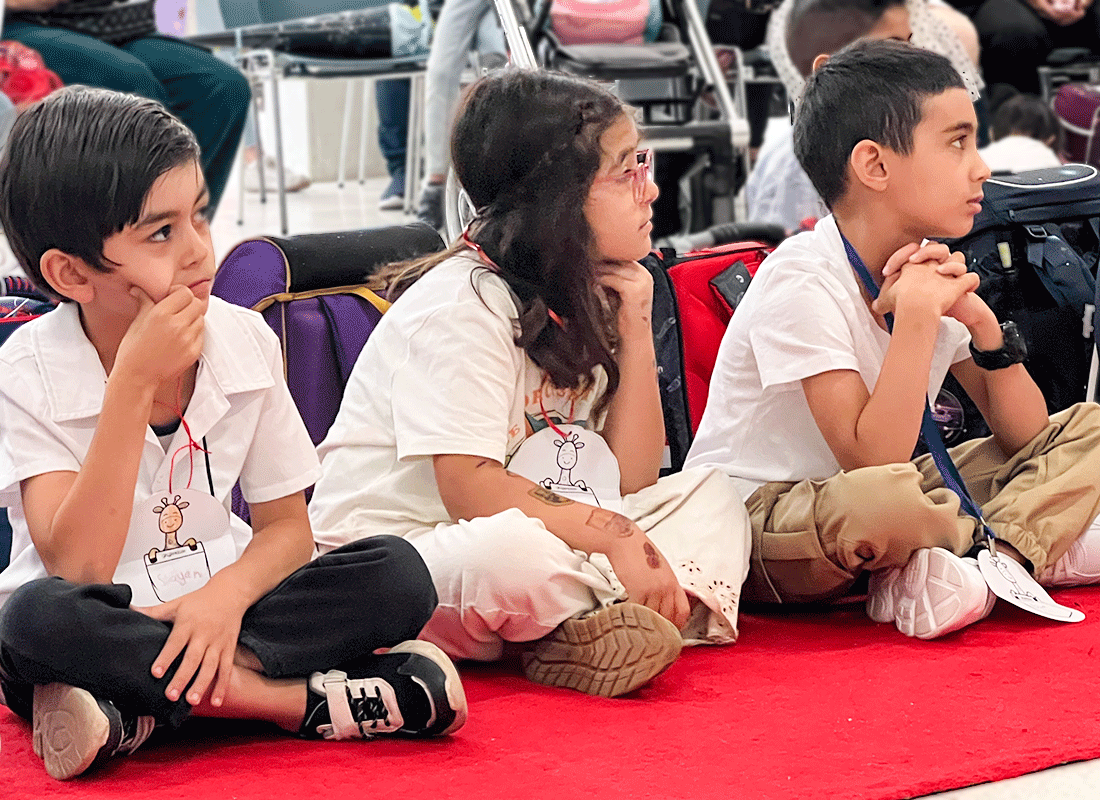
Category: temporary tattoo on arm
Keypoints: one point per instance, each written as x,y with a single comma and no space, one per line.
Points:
651,556
549,497
615,524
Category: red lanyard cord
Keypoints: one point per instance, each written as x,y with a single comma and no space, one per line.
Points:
550,422
191,445
496,268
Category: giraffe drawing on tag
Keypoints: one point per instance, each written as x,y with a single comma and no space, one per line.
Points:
178,568
568,455
1018,591
171,520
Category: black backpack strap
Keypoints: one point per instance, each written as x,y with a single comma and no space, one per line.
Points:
668,345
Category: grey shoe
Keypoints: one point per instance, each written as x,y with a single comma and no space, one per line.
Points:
74,731
430,208
612,652
394,196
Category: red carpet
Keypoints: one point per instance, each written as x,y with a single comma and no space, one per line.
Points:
805,706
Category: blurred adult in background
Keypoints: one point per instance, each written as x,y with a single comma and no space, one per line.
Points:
460,23
209,96
1017,36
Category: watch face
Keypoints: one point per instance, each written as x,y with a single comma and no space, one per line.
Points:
1014,340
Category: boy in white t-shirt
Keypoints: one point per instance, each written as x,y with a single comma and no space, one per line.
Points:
127,415
816,409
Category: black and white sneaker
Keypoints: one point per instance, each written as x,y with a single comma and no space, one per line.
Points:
412,690
74,731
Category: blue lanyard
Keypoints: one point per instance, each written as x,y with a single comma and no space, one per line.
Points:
929,431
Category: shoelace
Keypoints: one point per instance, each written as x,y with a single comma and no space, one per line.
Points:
360,708
366,708
134,732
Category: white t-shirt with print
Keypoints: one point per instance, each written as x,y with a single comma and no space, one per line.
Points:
802,315
441,374
50,400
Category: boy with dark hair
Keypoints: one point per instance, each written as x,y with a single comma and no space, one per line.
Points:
816,406
132,599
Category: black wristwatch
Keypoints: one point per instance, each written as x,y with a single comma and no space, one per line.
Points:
1013,351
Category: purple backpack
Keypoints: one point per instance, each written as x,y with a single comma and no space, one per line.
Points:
309,289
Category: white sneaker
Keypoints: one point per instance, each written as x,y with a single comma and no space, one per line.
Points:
1080,566
935,593
292,180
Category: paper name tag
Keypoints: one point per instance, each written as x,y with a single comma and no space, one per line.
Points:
184,538
1010,581
572,462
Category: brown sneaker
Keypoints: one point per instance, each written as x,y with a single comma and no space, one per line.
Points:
609,653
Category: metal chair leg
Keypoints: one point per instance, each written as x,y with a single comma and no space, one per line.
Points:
414,142
368,84
345,133
279,164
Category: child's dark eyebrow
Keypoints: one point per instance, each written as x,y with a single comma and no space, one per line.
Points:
960,127
152,219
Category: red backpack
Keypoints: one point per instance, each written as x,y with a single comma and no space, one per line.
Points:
694,297
709,284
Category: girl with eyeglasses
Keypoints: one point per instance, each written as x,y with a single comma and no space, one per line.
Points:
505,418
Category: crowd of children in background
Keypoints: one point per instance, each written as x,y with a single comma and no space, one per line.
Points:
491,483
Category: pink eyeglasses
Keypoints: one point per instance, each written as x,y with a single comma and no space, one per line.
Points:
639,175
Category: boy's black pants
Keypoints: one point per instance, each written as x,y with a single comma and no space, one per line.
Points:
336,609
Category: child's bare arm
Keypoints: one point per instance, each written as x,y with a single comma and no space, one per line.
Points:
207,622
78,521
635,426
1008,398
882,426
472,487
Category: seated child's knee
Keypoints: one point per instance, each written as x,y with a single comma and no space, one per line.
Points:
516,552
49,606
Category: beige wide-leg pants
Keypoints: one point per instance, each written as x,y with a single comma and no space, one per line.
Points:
507,578
812,539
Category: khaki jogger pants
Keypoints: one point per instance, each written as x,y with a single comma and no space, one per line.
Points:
812,539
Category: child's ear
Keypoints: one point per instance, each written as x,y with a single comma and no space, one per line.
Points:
67,275
818,61
869,165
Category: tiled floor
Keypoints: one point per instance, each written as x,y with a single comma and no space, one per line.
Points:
324,207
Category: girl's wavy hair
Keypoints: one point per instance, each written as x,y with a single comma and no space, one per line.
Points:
526,148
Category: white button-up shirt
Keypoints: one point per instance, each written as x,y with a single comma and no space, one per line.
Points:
52,392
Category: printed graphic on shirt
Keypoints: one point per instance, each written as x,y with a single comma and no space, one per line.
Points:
544,403
185,538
